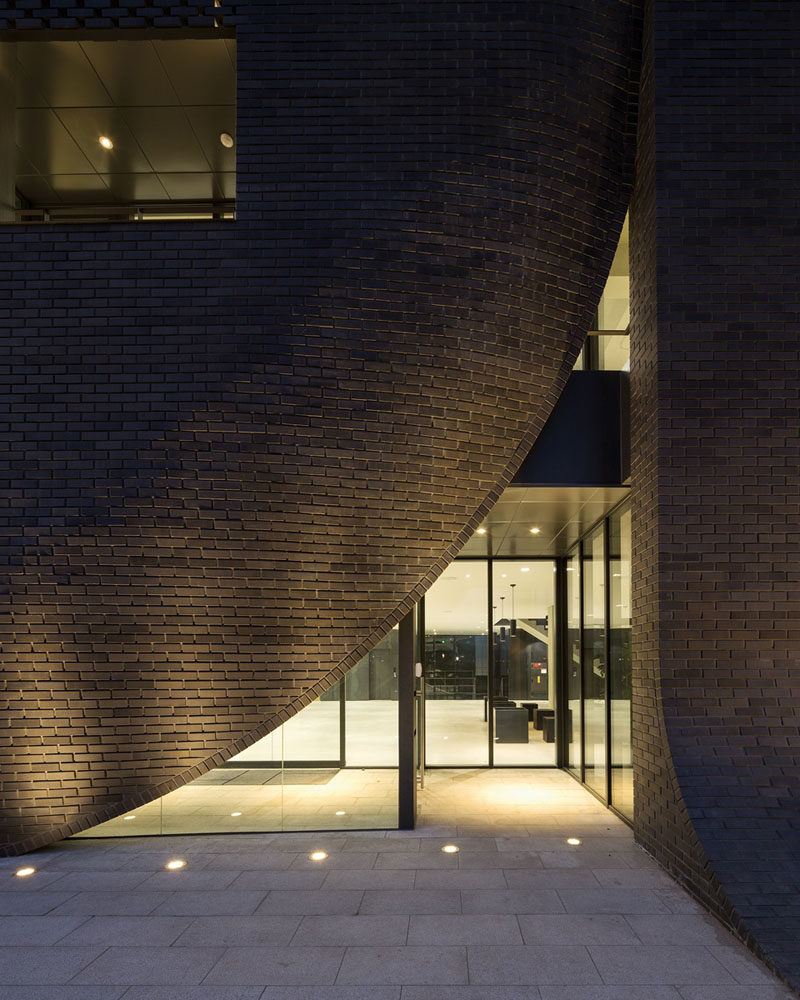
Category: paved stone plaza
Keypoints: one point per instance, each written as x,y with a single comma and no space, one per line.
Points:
515,914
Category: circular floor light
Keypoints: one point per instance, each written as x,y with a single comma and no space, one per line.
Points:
450,849
173,866
318,855
574,841
24,872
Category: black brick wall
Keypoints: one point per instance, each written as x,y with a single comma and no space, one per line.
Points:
236,453
716,418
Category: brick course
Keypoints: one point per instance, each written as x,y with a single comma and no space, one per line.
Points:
238,452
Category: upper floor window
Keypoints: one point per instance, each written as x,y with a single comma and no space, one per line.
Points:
121,129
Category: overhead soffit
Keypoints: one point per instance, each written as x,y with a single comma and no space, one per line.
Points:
163,102
562,515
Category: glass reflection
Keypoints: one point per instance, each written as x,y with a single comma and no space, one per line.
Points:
457,666
574,690
524,655
371,707
594,662
619,643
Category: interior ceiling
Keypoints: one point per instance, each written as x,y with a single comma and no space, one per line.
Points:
562,514
163,104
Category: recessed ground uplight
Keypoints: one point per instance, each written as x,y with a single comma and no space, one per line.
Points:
236,814
450,849
129,817
535,531
574,841
318,855
340,812
105,142
173,866
24,872
226,139
524,569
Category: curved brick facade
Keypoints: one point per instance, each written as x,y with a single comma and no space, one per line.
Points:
238,452
716,417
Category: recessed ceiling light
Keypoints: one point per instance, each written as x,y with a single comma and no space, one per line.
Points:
573,841
24,872
450,849
481,531
340,812
617,575
535,531
504,575
105,142
173,866
226,139
468,576
318,855
236,814
129,817
525,569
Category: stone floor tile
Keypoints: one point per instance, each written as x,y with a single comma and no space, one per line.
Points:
418,860
455,929
276,966
371,929
403,966
461,878
278,880
678,929
524,965
471,993
678,900
266,861
91,881
32,903
633,878
232,931
644,964
146,966
183,880
25,965
147,930
511,901
311,902
193,993
335,860
331,993
408,901
36,931
41,879
611,901
499,859
609,993
551,878
390,878
224,902
110,904
773,991
61,992
556,928
743,966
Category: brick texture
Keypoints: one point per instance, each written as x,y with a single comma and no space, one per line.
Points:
716,484
236,453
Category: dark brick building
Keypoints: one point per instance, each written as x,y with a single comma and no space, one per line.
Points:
259,395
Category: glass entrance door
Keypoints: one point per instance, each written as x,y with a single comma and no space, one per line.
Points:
489,664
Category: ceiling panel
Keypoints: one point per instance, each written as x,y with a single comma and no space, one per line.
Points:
80,189
201,70
48,145
63,74
86,125
207,124
129,188
167,139
194,187
131,72
35,189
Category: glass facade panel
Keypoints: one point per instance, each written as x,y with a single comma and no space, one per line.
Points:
594,662
619,645
573,666
524,658
371,707
457,666
614,308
